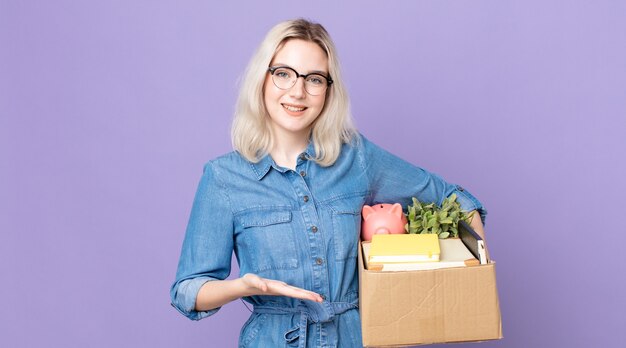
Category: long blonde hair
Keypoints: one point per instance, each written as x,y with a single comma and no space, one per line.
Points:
251,134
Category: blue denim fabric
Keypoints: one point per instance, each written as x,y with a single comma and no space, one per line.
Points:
301,227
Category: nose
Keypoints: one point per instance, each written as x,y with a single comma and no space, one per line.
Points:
297,91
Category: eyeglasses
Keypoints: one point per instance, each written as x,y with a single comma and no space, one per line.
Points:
285,77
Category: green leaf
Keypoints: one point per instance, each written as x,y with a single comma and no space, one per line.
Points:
444,235
432,218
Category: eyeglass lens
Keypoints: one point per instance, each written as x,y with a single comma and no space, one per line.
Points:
285,78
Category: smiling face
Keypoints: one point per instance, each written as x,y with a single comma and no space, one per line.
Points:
293,111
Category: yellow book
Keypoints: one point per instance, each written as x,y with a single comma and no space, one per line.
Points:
453,254
392,248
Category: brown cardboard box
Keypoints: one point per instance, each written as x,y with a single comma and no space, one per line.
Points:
433,306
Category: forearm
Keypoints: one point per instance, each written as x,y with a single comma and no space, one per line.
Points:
216,293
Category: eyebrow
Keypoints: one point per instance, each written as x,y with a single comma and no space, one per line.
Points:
310,72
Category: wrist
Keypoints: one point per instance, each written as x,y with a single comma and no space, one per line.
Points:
243,288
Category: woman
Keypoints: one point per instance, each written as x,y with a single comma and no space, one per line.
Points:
288,201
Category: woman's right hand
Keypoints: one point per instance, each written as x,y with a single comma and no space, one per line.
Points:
256,285
214,294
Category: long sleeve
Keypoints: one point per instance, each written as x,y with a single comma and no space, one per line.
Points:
392,179
207,247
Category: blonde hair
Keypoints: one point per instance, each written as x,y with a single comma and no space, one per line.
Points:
251,133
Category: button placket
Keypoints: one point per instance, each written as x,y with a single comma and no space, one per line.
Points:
311,215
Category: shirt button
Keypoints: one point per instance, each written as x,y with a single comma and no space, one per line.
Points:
305,198
319,261
303,156
314,229
302,173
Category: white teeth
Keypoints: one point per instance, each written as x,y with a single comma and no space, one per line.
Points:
293,108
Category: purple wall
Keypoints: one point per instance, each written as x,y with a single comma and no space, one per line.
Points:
109,110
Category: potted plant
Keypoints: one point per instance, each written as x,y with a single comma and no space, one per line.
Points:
430,218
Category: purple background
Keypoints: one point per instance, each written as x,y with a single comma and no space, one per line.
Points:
108,111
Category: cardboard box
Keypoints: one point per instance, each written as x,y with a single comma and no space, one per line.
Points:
432,306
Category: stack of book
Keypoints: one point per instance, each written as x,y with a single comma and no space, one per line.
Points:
411,252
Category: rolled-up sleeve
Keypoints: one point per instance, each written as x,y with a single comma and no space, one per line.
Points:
394,180
207,247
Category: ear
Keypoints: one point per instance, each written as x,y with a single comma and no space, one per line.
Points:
396,210
366,211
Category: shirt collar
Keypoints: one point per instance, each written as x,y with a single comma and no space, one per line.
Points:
262,167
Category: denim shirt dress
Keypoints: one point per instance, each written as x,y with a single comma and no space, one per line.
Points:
299,226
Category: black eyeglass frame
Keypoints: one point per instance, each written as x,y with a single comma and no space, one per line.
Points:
273,69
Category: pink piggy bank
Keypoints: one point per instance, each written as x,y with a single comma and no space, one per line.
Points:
382,219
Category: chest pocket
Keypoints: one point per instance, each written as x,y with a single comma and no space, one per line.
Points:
346,217
270,239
